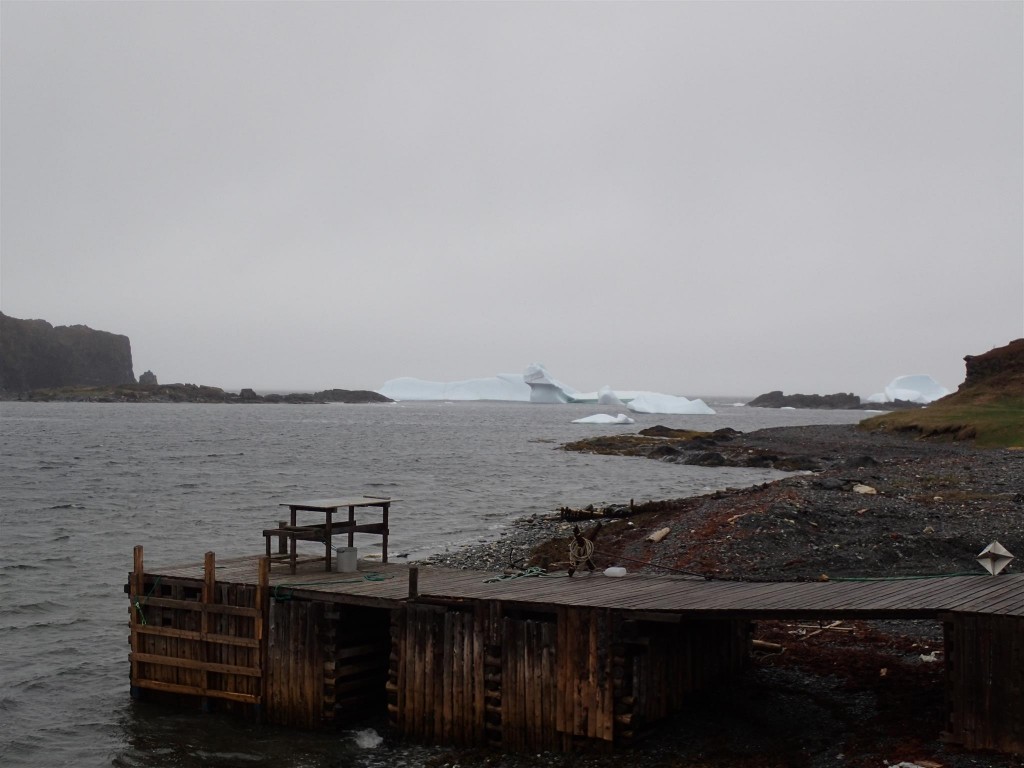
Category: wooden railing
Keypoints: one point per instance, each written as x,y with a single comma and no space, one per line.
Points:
208,643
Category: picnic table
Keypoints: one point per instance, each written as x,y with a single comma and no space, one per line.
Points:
290,532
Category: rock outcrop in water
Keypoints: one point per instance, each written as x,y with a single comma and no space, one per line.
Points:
776,399
840,401
37,355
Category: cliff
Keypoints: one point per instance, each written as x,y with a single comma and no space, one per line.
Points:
37,355
996,374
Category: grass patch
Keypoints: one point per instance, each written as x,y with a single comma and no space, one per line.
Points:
994,424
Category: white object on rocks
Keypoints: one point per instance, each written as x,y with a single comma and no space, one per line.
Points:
615,571
659,535
368,738
859,488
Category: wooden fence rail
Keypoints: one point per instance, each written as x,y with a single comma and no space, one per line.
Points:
210,645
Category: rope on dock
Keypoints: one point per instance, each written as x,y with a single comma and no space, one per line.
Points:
145,599
531,571
579,553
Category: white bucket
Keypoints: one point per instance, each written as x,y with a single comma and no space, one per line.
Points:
346,560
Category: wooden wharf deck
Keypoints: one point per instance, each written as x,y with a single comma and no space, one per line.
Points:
532,663
382,585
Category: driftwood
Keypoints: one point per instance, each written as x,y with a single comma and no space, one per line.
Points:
659,535
834,626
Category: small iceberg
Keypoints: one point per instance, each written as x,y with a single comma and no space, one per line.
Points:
917,388
607,396
652,402
604,418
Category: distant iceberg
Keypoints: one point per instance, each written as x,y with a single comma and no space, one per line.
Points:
652,402
504,386
535,385
544,388
917,388
604,418
607,396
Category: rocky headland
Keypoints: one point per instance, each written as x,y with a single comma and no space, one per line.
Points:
37,355
43,363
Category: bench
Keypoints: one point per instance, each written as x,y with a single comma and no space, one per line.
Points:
287,536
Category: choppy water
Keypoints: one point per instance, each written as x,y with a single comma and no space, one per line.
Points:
81,484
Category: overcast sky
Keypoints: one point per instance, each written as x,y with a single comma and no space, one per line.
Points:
691,198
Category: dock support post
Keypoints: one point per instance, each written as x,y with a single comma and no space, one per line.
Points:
414,582
262,621
137,588
209,597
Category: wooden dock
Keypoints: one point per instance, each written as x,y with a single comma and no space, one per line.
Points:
550,662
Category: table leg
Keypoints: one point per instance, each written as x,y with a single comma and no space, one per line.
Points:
351,521
384,553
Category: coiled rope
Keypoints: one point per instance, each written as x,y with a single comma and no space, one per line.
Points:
580,550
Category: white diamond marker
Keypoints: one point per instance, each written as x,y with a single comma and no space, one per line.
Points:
994,558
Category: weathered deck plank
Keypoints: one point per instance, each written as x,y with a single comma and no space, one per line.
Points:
382,585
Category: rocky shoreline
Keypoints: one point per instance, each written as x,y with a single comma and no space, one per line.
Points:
876,505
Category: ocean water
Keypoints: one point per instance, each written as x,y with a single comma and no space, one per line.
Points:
82,483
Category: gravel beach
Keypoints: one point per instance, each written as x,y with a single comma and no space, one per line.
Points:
870,505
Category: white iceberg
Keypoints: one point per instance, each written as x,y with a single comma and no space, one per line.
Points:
544,388
605,418
505,386
916,388
652,402
536,385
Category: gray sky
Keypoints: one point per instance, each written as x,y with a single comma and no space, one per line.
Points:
692,198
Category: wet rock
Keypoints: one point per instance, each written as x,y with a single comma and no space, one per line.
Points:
707,459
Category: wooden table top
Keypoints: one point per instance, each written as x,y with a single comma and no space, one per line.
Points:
326,505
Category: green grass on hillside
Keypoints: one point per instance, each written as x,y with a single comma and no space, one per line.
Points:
997,424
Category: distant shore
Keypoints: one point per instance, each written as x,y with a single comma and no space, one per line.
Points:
187,393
